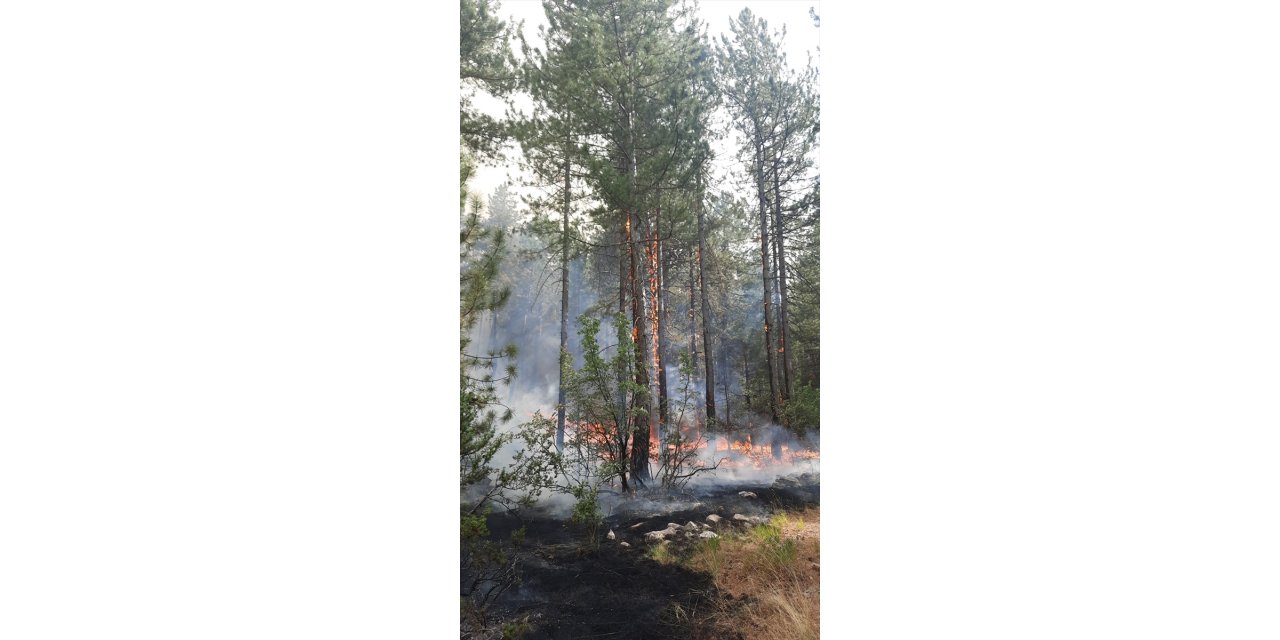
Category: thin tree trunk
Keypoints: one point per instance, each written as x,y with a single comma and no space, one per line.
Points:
766,277
728,400
621,399
712,420
780,252
564,304
693,315
660,304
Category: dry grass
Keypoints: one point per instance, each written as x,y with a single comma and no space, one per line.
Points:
773,573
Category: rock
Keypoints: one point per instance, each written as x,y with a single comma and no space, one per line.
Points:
657,535
704,525
672,525
741,518
623,544
708,534
637,525
691,526
611,535
747,494
713,518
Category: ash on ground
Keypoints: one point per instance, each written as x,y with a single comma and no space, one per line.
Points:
571,588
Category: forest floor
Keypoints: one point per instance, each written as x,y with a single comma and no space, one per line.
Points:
753,574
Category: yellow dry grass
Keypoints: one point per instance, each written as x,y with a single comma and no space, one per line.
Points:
773,574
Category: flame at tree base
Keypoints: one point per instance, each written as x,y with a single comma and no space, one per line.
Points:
730,450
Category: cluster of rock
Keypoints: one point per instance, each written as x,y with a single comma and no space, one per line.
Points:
689,530
692,529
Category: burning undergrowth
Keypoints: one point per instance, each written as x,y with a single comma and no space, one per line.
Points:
564,536
693,464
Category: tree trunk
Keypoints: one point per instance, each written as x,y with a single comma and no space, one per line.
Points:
660,308
728,400
640,428
564,304
766,277
710,379
780,252
620,401
693,315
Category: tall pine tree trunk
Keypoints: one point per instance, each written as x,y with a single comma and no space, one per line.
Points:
712,421
660,312
564,304
620,402
640,428
766,276
780,251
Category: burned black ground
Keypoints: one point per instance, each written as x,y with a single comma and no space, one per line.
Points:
571,588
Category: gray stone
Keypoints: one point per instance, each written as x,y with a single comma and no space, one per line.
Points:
746,494
713,518
611,535
708,534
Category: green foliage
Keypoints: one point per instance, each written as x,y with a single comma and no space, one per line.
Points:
486,64
517,629
604,395
586,511
801,412
487,568
766,533
480,412
661,553
678,460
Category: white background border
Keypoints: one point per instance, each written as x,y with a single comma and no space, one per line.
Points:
226,344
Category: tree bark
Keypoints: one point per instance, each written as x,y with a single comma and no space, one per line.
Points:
564,303
660,308
710,379
766,276
780,253
693,315
640,426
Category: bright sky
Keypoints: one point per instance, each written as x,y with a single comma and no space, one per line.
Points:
800,42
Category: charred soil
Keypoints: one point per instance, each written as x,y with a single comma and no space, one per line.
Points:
632,586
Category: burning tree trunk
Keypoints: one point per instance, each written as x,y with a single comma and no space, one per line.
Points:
659,319
728,400
640,336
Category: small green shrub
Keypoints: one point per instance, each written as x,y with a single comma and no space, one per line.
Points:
661,554
516,630
586,511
